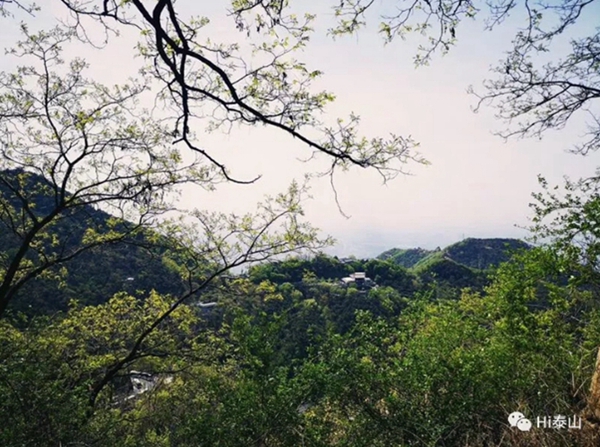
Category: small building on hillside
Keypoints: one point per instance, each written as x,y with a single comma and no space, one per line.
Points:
135,383
359,279
141,382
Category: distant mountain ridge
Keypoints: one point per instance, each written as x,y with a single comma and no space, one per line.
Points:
95,275
474,253
407,258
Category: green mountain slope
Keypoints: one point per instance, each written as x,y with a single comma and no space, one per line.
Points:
405,257
463,264
480,254
94,275
483,253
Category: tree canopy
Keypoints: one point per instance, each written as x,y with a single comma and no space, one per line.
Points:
530,95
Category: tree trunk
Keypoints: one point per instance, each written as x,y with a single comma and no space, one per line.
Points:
594,400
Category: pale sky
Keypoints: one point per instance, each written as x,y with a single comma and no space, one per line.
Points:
476,186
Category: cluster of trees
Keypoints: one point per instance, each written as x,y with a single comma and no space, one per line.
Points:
288,358
279,366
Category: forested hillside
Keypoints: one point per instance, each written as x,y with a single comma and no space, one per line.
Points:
135,264
405,257
96,274
475,253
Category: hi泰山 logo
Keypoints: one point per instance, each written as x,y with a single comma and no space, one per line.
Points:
557,422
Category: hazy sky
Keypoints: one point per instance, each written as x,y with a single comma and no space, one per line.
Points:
476,186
